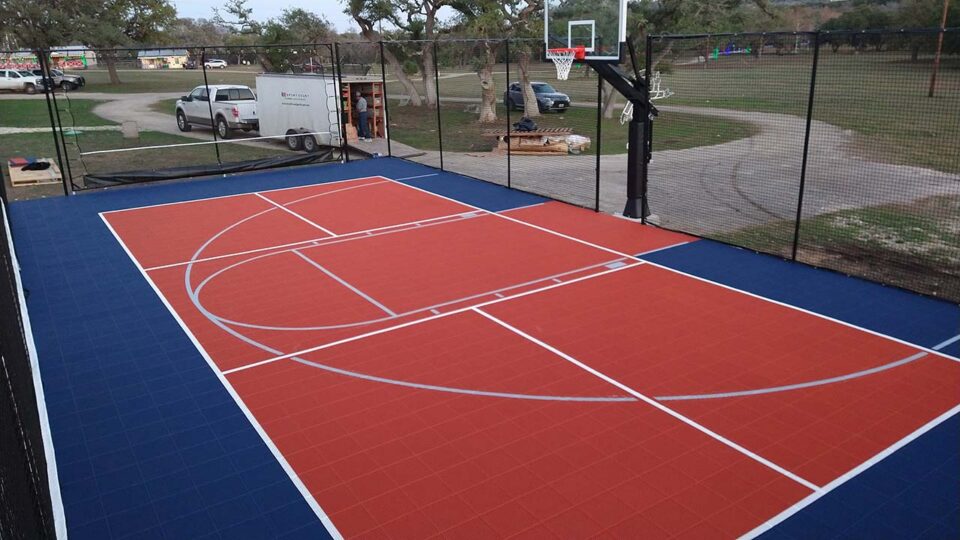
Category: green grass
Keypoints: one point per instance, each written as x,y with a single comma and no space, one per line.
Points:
417,127
914,245
165,106
163,80
34,113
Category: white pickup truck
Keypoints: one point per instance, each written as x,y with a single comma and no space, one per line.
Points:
233,107
20,80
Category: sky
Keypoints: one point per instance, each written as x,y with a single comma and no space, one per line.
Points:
267,9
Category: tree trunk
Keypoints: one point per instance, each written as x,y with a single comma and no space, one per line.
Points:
429,83
488,88
366,29
609,100
530,106
111,62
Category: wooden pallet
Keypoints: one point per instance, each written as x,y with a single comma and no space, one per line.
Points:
20,177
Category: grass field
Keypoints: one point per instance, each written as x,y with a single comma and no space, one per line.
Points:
461,132
915,245
165,80
33,113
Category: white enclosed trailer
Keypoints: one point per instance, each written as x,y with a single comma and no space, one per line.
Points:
303,108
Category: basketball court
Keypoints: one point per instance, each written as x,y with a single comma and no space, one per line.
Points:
422,366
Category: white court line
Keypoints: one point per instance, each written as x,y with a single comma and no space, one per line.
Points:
346,284
296,215
311,501
810,499
424,320
316,241
245,193
653,402
521,207
53,475
508,218
415,177
664,248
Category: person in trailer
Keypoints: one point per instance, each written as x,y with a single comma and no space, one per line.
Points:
363,129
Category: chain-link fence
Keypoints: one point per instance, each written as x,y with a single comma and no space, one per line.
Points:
835,148
839,149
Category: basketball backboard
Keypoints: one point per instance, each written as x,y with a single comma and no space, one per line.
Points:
599,26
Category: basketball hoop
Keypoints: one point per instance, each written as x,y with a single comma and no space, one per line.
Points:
563,59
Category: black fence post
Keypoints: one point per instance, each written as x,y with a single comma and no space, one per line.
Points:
436,85
507,105
344,148
206,86
599,142
806,145
648,129
44,68
63,138
386,101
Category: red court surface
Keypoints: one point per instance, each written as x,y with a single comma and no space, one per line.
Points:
427,368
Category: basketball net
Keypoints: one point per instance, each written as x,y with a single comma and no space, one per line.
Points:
563,59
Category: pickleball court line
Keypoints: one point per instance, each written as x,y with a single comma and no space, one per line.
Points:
366,233
699,278
284,464
296,215
212,276
346,284
650,401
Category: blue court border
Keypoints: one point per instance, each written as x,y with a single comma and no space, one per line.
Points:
149,443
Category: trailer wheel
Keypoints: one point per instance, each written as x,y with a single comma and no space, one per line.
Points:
294,142
310,144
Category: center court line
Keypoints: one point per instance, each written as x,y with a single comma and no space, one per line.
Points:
296,215
424,320
653,402
343,282
705,280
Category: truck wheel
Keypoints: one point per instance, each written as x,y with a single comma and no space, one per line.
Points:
67,85
30,89
294,142
310,144
223,130
182,123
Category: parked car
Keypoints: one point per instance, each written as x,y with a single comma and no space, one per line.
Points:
190,64
63,80
20,80
548,98
233,107
215,63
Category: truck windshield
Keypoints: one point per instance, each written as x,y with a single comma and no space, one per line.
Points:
235,94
